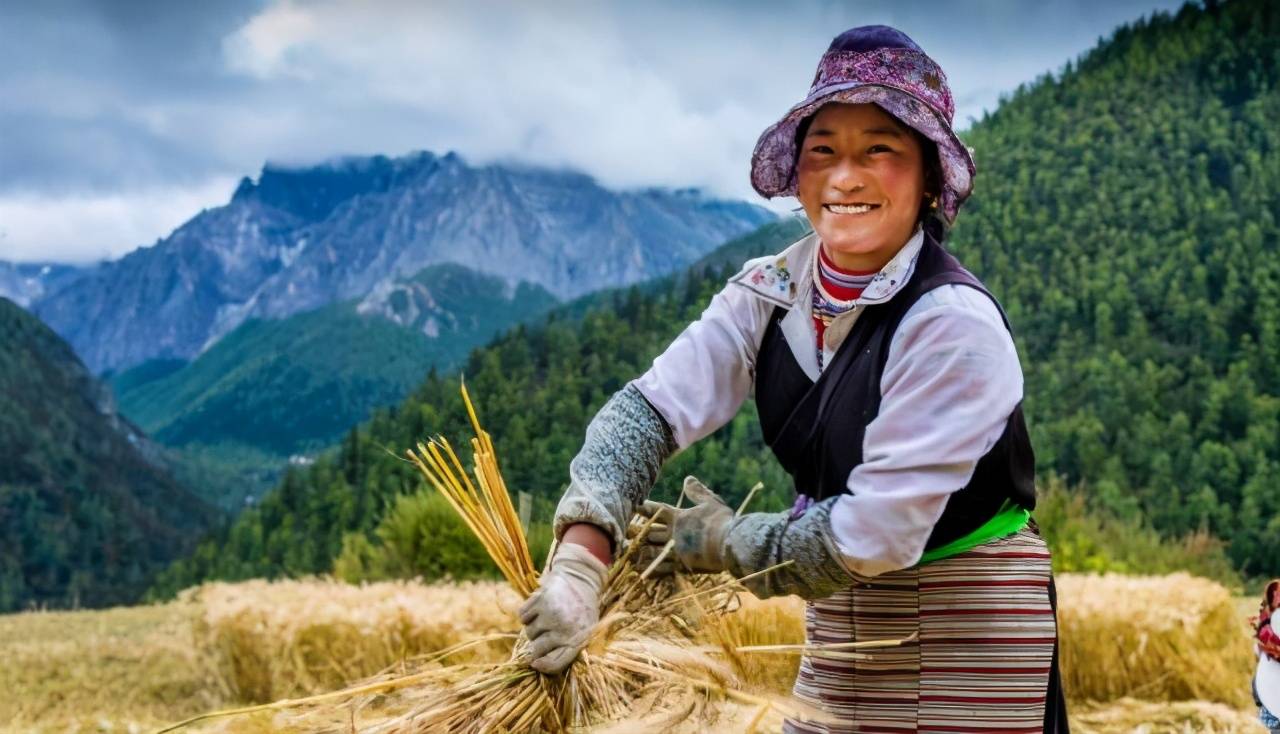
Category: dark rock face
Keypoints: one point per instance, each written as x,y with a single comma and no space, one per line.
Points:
299,239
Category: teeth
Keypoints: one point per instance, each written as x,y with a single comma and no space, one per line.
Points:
849,208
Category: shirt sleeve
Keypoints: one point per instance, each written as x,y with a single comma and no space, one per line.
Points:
950,383
698,383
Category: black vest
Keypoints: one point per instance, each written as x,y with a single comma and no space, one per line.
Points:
816,428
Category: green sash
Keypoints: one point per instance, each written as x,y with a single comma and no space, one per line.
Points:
1008,520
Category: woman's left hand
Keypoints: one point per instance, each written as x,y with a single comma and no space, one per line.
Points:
709,537
698,532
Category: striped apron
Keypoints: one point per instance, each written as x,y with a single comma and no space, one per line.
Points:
982,662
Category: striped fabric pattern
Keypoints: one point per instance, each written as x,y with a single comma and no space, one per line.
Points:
981,663
835,292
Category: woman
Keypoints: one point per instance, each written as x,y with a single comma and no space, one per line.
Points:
889,387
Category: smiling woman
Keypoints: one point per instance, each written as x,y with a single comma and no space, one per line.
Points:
862,183
889,388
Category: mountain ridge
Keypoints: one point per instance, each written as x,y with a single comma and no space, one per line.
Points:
279,388
300,238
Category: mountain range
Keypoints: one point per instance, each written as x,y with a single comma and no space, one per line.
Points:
298,239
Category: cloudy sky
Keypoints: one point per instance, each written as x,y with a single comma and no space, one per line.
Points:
121,119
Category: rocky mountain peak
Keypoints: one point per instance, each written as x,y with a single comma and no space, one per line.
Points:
299,238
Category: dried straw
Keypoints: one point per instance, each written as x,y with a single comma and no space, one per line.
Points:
484,506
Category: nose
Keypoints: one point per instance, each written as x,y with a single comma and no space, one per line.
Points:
849,174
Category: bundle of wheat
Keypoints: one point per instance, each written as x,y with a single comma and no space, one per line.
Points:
644,648
484,506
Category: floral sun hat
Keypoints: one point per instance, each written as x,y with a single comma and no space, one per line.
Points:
878,64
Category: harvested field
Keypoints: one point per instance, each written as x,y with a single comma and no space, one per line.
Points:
126,669
1152,717
132,669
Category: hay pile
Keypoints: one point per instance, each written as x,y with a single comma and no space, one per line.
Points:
1131,716
267,640
1157,638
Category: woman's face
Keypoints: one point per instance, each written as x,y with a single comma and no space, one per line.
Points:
860,176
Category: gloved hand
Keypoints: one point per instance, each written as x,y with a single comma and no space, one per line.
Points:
699,532
710,538
560,616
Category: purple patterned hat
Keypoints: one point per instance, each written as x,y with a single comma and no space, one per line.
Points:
879,64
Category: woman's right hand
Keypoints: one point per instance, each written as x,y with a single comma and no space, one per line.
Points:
560,617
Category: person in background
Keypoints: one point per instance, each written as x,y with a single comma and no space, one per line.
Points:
889,388
1266,679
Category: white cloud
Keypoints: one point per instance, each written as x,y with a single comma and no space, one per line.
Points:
567,86
87,228
262,46
667,93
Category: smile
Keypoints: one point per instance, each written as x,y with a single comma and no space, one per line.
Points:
850,208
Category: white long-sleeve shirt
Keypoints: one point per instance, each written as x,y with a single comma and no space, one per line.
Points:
950,382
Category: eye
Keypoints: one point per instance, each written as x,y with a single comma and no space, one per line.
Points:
821,149
880,148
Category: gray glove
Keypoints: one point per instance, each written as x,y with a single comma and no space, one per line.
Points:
560,616
709,538
699,532
625,446
759,540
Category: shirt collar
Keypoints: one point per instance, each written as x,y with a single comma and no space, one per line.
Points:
785,279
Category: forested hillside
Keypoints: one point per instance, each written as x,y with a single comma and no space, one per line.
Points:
1125,214
87,513
276,388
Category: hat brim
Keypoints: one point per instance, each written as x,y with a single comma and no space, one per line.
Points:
773,163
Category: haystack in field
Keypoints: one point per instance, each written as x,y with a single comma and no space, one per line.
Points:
267,640
1159,638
